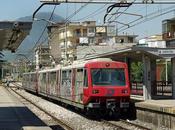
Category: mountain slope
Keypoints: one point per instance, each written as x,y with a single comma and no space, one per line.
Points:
37,29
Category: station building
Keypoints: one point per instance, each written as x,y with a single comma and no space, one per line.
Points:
149,87
12,33
154,58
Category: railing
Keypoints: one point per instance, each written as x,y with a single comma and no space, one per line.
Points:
137,88
168,35
159,88
163,88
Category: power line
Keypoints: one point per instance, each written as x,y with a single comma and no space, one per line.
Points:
46,25
44,29
147,18
66,21
94,13
76,12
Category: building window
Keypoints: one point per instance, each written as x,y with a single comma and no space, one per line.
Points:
78,32
91,30
84,32
91,41
85,78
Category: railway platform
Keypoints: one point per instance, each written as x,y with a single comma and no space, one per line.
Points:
15,116
160,113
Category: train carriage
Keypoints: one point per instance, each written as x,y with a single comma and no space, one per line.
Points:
30,81
99,84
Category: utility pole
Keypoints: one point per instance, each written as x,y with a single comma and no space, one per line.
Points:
65,44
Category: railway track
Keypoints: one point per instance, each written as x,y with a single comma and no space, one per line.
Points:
60,123
125,125
115,125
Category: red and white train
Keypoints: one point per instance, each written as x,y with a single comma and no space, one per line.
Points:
98,84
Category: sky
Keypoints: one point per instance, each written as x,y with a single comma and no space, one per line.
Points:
14,9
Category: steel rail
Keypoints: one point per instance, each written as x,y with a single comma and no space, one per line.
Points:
61,123
121,121
113,125
124,124
133,124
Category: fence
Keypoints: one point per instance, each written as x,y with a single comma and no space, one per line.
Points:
163,88
137,88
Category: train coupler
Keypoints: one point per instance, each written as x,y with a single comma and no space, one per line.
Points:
111,104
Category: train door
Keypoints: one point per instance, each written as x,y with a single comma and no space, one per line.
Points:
79,85
47,83
39,82
58,79
53,83
30,83
73,83
43,83
36,82
66,84
85,86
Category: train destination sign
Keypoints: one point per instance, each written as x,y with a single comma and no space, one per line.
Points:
167,52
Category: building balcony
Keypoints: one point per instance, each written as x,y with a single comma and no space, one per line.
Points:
91,34
168,36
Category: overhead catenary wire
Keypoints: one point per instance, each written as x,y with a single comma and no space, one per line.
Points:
94,13
109,10
30,52
75,13
149,17
66,20
42,33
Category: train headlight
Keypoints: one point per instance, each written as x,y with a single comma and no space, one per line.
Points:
124,91
107,64
95,91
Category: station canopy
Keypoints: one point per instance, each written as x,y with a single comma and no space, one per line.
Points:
12,33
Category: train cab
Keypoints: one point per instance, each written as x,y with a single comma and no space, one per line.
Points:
108,85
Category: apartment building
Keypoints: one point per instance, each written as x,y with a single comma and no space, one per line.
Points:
42,57
153,41
65,38
168,32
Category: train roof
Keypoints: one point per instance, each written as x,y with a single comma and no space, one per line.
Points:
76,64
50,69
81,63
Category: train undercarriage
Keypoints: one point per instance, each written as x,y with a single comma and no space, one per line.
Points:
109,108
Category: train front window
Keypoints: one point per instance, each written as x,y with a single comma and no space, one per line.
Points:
108,77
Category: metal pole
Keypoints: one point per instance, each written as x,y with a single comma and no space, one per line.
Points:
110,2
48,3
66,58
166,69
2,74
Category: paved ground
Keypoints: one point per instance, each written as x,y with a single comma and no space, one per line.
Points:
13,114
167,106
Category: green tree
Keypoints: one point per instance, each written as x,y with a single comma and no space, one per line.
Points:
137,71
